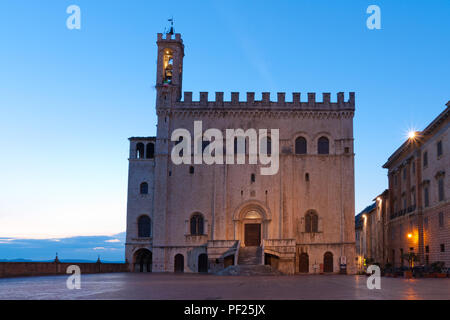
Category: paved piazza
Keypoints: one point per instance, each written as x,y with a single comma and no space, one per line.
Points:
210,287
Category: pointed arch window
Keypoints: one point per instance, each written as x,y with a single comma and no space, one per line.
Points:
144,227
311,222
197,224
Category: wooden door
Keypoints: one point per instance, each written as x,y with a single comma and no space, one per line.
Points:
253,235
328,262
179,263
304,263
203,263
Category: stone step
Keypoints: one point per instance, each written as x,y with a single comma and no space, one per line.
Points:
249,270
250,256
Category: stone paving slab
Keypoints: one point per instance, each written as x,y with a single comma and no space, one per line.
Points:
211,287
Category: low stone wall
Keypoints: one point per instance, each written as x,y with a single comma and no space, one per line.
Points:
24,269
218,250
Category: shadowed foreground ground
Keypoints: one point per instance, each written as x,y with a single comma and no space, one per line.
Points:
210,287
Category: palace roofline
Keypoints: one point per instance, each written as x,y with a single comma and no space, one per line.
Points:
423,135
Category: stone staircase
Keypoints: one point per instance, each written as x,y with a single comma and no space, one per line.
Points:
250,256
249,264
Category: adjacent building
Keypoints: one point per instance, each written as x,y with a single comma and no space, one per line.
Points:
370,233
419,195
413,215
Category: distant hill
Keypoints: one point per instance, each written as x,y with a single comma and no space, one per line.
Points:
74,249
16,260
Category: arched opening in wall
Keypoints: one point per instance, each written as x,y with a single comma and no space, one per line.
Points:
228,261
144,227
271,260
323,145
203,263
328,262
143,188
143,260
167,66
150,150
140,150
300,145
304,263
179,263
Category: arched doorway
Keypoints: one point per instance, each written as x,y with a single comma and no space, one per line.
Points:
251,222
179,263
143,261
328,262
304,263
203,263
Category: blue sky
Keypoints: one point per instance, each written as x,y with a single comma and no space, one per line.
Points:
69,99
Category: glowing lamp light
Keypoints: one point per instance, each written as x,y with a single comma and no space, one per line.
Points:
410,235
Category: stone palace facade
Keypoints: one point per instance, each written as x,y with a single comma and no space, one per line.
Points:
204,218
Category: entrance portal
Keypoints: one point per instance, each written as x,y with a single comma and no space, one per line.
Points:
143,261
179,263
304,263
252,234
328,262
203,263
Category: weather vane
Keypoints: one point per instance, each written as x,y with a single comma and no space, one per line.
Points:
171,30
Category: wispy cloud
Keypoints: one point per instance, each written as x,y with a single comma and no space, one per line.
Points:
113,240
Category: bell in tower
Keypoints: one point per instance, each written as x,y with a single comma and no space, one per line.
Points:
170,67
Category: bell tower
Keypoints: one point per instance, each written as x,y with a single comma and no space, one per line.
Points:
169,75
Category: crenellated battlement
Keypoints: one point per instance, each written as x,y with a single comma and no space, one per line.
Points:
169,37
266,102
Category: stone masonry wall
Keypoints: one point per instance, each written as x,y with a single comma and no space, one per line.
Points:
22,269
